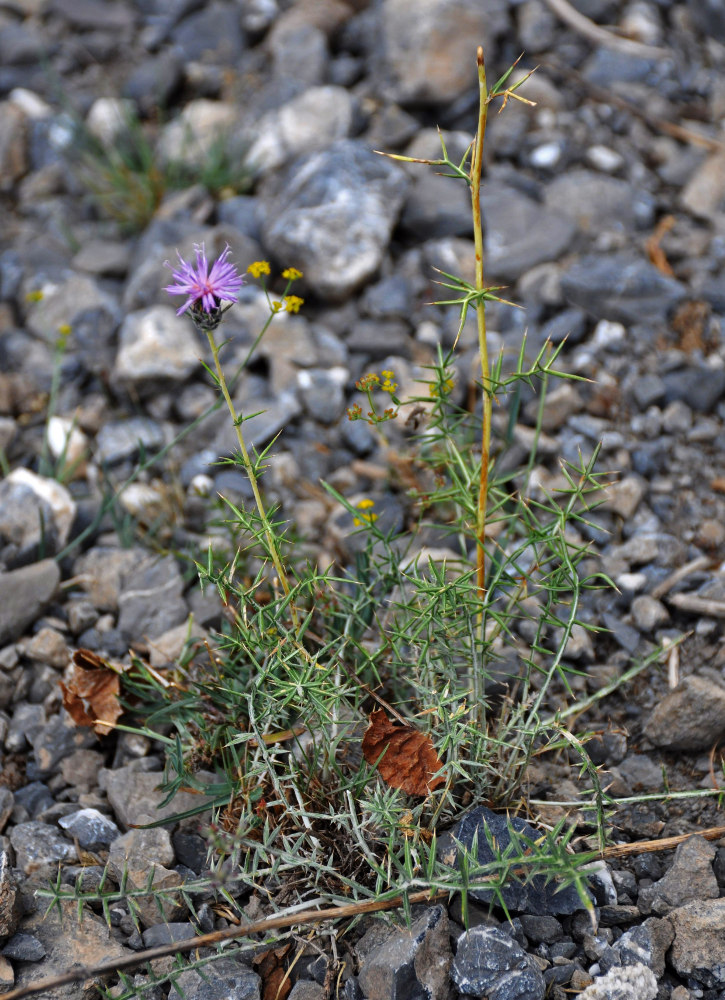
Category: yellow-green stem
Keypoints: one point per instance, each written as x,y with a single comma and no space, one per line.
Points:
271,540
476,164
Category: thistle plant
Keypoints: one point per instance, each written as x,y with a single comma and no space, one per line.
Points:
457,650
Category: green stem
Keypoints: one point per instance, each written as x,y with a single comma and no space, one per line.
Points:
249,467
476,165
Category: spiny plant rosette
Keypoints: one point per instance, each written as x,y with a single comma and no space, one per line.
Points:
351,713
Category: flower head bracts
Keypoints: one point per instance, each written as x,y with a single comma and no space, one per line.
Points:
206,289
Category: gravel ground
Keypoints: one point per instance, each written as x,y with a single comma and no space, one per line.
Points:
605,215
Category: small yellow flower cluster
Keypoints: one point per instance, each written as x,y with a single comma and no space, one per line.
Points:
366,514
368,384
292,302
388,385
291,274
259,268
36,296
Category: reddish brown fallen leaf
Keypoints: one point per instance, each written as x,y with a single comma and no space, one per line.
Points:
409,761
91,692
272,970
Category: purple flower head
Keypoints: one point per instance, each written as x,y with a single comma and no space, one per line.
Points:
206,289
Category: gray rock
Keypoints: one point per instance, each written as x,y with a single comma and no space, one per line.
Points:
331,215
692,717
24,948
151,600
67,943
90,828
592,201
519,233
647,943
648,613
700,387
412,964
690,878
308,123
490,963
101,572
36,516
39,846
156,345
536,895
430,58
224,979
92,314
24,593
166,933
125,439
13,142
620,286
26,722
58,738
305,989
541,928
136,796
143,856
698,950
322,392
435,207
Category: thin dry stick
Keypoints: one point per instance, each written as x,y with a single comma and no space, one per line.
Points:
82,973
476,165
601,36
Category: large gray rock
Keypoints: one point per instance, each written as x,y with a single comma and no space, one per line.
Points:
224,979
490,963
698,950
430,49
692,717
593,201
24,593
151,600
621,286
519,233
412,963
36,516
156,345
310,122
331,214
690,878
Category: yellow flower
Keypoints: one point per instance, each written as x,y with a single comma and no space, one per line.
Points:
64,330
291,274
36,296
388,374
366,514
293,303
276,306
389,386
258,268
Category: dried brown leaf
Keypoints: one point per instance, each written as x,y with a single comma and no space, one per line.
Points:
91,692
409,760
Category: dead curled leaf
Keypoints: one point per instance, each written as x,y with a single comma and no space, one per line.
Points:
91,692
409,760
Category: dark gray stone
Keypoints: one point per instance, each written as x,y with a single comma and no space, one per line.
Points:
621,286
692,717
541,928
221,980
520,233
700,387
489,963
412,964
690,878
39,846
536,895
166,933
90,828
24,948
